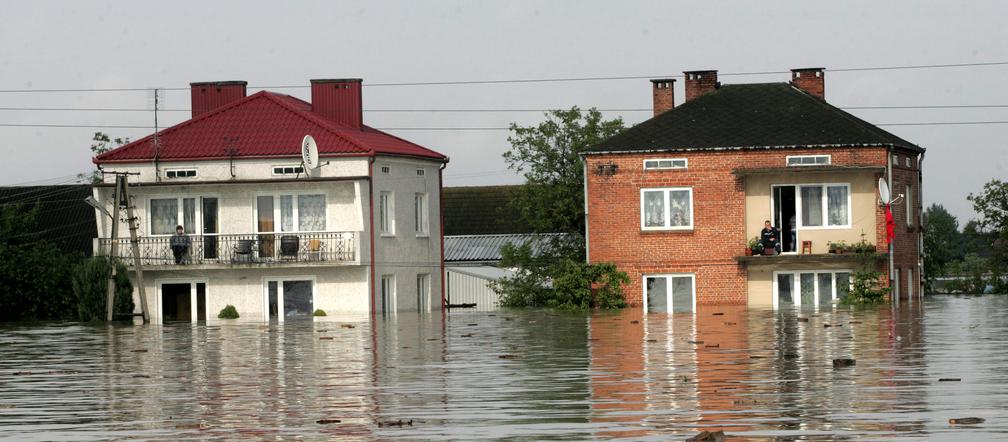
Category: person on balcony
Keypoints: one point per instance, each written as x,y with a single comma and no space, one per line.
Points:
770,237
180,243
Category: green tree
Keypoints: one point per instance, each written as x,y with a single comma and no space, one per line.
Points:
34,273
992,206
90,285
942,242
100,143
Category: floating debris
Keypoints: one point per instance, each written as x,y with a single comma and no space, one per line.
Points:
325,338
471,325
507,319
140,350
756,357
328,421
967,421
949,379
433,339
718,314
467,335
802,319
189,426
708,436
635,322
321,331
652,340
855,322
839,363
729,323
491,315
827,325
23,373
398,423
347,326
142,376
506,356
790,356
713,346
695,342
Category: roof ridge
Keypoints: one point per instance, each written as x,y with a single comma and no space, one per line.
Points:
325,124
865,125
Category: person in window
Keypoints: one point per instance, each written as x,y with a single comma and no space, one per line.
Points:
180,243
770,237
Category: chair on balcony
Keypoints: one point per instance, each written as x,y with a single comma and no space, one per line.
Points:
315,249
243,251
289,245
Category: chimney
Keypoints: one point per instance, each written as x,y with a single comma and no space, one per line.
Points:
811,80
209,95
661,92
699,83
338,101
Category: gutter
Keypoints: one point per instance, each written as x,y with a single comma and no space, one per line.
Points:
371,215
729,148
444,299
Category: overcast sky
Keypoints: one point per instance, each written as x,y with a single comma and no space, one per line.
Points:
81,45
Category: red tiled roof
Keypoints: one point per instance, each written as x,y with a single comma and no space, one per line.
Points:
264,124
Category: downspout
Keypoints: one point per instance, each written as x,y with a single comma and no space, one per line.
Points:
920,224
444,300
584,181
892,262
370,172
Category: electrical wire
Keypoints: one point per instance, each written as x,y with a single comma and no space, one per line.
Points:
86,109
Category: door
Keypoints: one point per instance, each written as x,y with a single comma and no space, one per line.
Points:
810,288
273,301
289,299
175,302
210,228
388,295
784,216
201,301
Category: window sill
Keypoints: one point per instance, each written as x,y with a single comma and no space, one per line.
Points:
423,235
387,235
680,230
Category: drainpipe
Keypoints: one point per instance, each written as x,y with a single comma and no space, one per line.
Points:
892,263
920,223
584,181
370,173
444,300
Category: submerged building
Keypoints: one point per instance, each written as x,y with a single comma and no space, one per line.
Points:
674,200
361,233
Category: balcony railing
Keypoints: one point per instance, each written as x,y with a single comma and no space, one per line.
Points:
257,248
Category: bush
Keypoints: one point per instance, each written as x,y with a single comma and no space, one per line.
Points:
866,289
572,285
90,289
319,312
228,312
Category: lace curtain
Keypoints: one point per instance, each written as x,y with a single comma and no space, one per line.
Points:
654,209
837,200
164,216
811,206
311,213
680,211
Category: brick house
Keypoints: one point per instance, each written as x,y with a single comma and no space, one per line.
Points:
673,200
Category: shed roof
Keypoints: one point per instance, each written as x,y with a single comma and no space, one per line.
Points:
264,124
757,115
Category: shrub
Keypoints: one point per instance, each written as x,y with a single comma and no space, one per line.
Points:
319,312
90,285
228,312
866,289
571,285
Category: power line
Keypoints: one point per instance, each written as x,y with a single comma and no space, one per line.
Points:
524,80
468,129
85,109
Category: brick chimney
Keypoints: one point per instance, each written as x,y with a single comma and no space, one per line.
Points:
699,83
338,101
209,95
661,92
811,80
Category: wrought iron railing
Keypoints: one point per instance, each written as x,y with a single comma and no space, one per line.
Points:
238,249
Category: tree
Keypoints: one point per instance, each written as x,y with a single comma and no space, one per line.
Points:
90,285
942,242
100,144
34,273
992,206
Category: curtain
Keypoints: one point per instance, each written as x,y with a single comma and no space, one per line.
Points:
680,212
311,213
811,205
654,209
682,294
286,213
836,200
164,216
264,207
657,294
189,215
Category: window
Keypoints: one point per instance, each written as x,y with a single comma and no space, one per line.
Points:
670,293
297,213
167,213
423,292
421,172
906,161
909,207
386,213
672,163
385,168
180,173
420,214
667,209
808,160
810,288
825,205
288,170
388,294
895,160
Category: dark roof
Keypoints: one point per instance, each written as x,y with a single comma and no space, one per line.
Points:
264,124
480,210
487,248
751,115
63,216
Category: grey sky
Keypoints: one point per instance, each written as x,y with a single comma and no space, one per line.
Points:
51,45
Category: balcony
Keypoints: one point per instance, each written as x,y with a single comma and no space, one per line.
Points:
226,250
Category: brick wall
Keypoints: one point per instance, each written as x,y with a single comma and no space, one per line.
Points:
718,233
906,245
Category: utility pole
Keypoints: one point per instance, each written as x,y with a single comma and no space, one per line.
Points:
114,240
121,199
135,245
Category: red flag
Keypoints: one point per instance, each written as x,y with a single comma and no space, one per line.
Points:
890,225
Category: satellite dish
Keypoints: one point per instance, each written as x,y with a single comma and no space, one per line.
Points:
883,191
309,152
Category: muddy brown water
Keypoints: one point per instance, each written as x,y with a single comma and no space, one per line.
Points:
527,375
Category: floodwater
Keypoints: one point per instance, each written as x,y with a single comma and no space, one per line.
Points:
756,374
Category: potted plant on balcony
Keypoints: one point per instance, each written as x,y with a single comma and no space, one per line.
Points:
837,247
755,246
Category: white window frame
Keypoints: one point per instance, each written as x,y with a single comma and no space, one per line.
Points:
277,215
906,161
668,284
796,283
421,217
195,173
421,172
198,214
909,207
389,282
282,172
672,163
787,160
825,206
386,213
280,295
668,213
385,168
157,311
423,292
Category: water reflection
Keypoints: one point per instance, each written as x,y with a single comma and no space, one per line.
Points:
529,375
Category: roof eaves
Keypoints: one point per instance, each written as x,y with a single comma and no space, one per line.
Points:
723,148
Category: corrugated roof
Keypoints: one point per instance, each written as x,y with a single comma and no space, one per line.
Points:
486,248
63,217
264,124
751,115
481,210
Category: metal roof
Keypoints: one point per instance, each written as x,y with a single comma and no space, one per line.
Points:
486,248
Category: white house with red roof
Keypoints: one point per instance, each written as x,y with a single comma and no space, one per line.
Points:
361,233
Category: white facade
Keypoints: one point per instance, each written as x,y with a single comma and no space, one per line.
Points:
260,237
